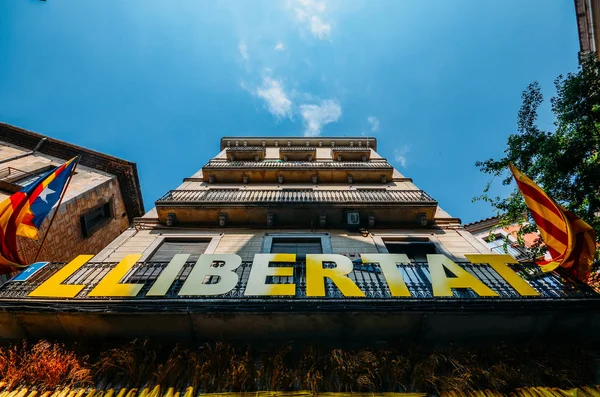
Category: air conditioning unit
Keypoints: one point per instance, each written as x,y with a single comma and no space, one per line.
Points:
352,218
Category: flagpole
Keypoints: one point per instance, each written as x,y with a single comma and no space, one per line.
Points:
64,191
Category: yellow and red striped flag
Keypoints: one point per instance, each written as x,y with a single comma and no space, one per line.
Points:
571,242
22,213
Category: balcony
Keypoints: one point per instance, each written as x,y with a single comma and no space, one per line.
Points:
296,207
245,153
297,196
13,179
350,153
298,153
278,171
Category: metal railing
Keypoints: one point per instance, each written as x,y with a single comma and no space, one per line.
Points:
368,277
284,149
11,174
278,164
350,149
296,196
245,149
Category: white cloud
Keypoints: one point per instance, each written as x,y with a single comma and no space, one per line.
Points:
400,155
243,48
279,47
312,13
373,123
317,116
312,5
275,97
319,28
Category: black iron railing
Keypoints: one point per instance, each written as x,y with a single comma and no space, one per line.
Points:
320,165
265,196
350,149
368,277
284,149
245,149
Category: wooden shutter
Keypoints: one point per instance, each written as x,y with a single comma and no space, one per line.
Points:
169,248
298,246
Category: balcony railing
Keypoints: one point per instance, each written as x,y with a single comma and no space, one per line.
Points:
368,277
11,174
279,164
350,149
297,148
245,153
245,149
296,196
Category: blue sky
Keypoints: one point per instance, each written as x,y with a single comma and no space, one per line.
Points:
159,82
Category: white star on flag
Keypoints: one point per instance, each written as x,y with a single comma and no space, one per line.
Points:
45,193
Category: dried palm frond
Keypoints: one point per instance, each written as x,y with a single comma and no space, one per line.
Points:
276,373
243,372
354,370
311,368
220,367
44,365
398,369
174,370
134,363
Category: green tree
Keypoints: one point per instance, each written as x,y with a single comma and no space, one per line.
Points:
564,162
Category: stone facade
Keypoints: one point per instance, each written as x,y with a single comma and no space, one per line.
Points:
93,185
66,239
150,231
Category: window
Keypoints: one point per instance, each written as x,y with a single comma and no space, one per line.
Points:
415,248
158,260
300,244
169,248
95,219
497,246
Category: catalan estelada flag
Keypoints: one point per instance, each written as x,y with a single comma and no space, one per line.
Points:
571,242
22,213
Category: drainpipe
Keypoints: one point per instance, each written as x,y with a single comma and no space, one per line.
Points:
35,149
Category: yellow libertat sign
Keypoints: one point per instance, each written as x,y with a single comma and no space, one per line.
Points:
215,274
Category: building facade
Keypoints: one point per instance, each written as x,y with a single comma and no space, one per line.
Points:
297,239
588,25
258,193
100,203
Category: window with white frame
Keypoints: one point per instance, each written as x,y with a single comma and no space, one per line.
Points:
497,245
300,244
